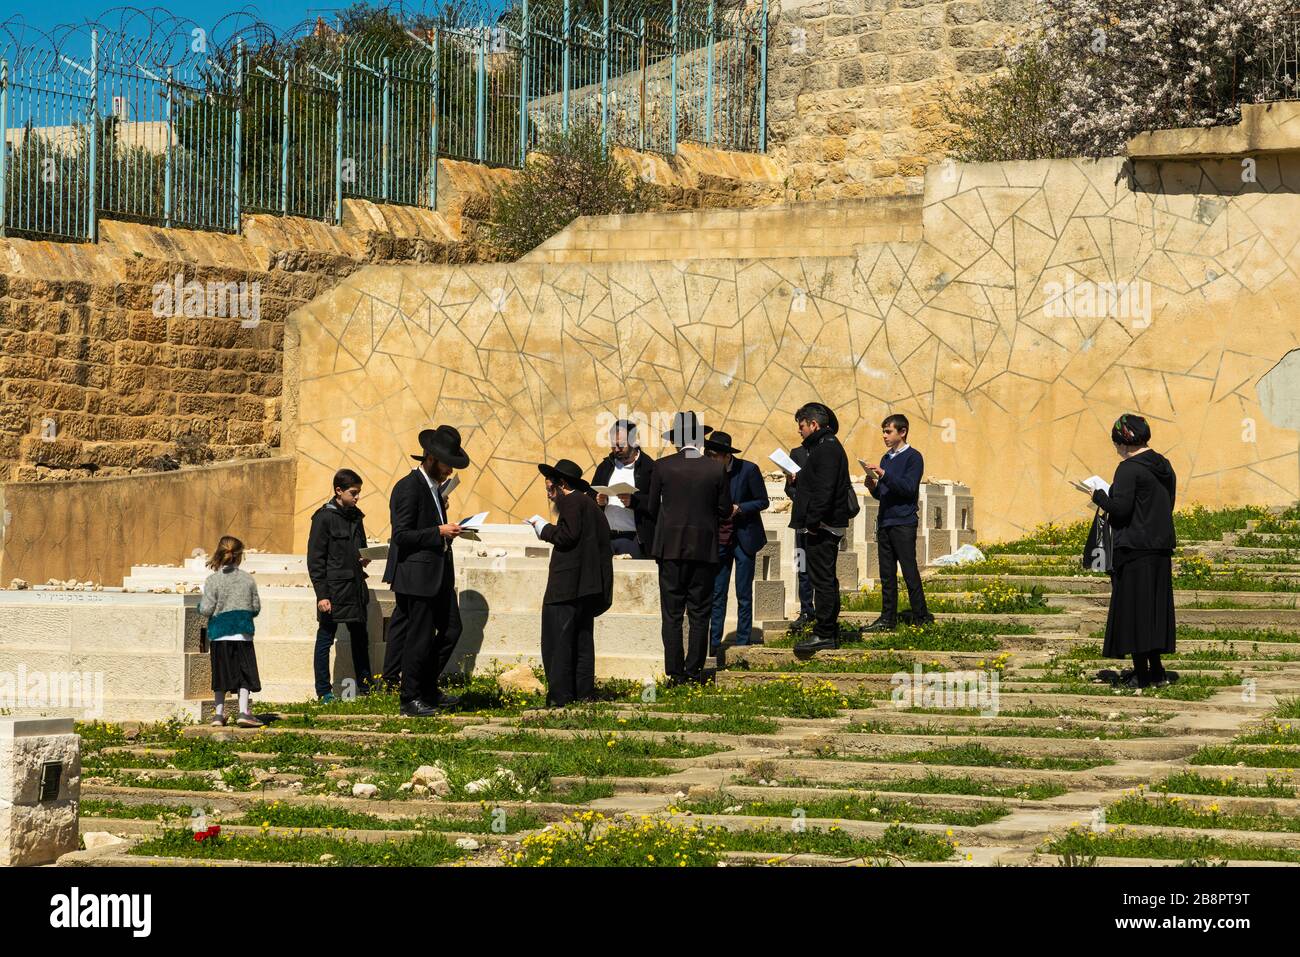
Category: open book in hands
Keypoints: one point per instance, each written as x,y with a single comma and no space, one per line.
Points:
1091,484
538,523
613,491
470,527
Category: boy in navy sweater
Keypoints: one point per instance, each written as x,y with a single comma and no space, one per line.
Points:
896,482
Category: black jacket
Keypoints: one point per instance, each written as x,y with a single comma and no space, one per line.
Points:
642,469
689,495
582,562
334,560
821,489
1141,502
416,551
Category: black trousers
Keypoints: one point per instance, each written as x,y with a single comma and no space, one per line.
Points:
395,640
686,587
821,555
569,650
423,632
897,544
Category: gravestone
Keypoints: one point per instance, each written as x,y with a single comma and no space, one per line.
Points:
40,788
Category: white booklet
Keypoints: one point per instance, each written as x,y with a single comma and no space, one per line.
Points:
1096,482
470,526
782,458
622,488
449,486
538,523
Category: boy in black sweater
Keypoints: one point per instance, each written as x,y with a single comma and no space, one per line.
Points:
896,482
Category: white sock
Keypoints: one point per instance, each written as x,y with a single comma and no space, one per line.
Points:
244,695
221,702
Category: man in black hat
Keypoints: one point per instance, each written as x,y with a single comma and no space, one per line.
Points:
688,497
823,505
632,531
421,573
579,586
807,611
740,538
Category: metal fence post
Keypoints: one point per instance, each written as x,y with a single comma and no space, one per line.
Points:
433,124
564,122
386,133
284,142
92,225
642,55
4,136
604,78
170,157
523,90
338,147
480,96
762,82
708,78
238,184
672,82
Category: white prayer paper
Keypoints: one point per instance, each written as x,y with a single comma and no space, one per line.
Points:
474,521
538,524
1095,482
782,458
622,488
450,486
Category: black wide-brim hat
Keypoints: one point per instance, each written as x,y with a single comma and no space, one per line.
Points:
686,430
567,471
719,442
443,443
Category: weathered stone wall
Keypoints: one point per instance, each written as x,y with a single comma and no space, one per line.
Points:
96,529
854,87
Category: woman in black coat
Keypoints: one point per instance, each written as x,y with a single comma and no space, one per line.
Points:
1140,504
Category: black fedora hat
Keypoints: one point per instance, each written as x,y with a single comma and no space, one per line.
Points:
720,442
686,430
567,471
443,443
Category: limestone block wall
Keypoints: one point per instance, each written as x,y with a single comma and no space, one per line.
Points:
98,528
979,331
854,86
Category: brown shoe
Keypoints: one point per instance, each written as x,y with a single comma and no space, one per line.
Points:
248,721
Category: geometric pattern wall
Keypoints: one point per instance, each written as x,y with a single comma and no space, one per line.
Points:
1044,299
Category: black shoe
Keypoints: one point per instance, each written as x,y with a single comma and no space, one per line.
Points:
926,620
417,709
1132,681
803,621
881,624
814,645
444,700
1166,678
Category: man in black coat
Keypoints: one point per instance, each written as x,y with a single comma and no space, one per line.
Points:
632,530
421,573
821,510
807,610
689,496
579,587
337,573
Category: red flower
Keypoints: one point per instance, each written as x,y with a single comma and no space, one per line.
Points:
200,835
214,830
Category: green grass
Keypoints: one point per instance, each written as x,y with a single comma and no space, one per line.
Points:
1004,731
1172,812
947,635
99,807
283,814
931,783
1228,755
590,719
977,755
876,665
872,807
783,697
1189,782
423,850
1082,843
991,598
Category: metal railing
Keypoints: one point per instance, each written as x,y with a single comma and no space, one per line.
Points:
159,120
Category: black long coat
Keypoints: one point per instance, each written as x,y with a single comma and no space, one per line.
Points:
689,495
417,552
582,561
334,560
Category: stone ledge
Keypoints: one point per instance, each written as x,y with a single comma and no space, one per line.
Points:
1264,128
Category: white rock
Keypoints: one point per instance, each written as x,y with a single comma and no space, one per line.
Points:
474,787
467,844
520,678
405,786
94,840
344,785
362,790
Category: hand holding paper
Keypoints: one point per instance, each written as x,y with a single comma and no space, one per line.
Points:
538,523
787,464
1091,484
622,488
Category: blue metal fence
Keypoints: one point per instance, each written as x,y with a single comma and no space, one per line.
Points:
176,128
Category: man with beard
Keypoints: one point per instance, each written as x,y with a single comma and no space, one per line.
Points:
631,529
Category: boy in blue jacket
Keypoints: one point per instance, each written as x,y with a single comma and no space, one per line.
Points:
896,482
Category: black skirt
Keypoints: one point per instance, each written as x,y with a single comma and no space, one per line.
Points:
234,666
1141,616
